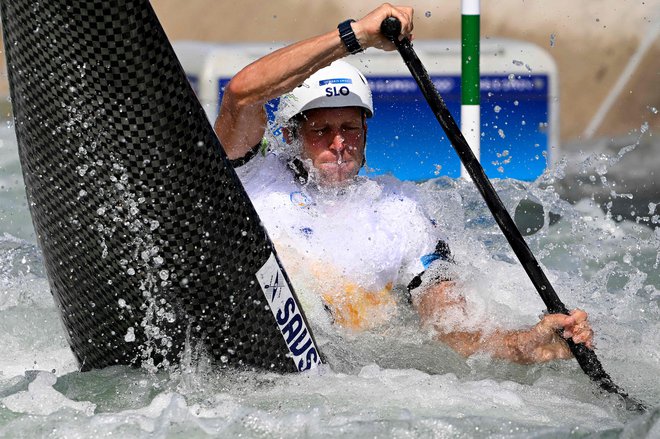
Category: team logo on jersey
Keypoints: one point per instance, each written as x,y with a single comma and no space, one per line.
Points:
299,199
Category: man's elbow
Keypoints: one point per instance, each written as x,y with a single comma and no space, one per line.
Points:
464,343
238,93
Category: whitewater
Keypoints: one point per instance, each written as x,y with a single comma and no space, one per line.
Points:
391,382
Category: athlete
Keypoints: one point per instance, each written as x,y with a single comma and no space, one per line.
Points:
352,239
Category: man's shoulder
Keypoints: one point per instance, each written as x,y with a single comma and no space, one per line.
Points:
265,158
266,172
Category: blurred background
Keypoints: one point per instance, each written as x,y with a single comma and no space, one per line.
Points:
591,40
607,53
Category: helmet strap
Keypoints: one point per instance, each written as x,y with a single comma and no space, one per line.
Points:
299,170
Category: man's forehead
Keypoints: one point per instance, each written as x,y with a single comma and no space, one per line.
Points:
321,115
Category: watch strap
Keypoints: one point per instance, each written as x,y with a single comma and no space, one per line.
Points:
348,37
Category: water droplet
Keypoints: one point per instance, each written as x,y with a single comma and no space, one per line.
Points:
164,274
497,109
427,14
130,335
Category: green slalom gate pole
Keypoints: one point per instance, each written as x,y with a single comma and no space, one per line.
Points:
470,84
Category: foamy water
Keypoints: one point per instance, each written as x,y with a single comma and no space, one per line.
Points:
395,382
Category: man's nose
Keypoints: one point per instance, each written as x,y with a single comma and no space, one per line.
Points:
337,143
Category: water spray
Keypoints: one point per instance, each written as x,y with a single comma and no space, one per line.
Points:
586,358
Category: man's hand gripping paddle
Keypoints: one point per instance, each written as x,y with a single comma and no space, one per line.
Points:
391,28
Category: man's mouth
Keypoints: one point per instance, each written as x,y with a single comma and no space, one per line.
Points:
340,162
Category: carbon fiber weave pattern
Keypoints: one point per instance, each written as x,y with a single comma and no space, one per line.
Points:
149,239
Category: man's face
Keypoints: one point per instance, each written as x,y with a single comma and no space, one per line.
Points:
334,140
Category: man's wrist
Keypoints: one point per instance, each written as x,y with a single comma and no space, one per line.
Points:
348,37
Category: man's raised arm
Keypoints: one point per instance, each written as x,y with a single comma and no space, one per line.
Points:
241,123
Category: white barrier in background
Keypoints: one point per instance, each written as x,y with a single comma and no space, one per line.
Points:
519,83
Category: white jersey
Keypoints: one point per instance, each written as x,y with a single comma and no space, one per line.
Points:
352,246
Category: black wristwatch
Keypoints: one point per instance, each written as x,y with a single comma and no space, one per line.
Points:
348,37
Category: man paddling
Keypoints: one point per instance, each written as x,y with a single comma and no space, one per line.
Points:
345,235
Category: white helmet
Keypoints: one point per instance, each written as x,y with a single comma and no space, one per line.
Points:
337,85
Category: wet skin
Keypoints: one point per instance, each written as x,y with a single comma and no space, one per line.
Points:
333,139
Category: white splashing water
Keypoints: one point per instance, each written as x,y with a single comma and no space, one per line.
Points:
392,383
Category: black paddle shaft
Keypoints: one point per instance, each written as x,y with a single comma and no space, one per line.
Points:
391,28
